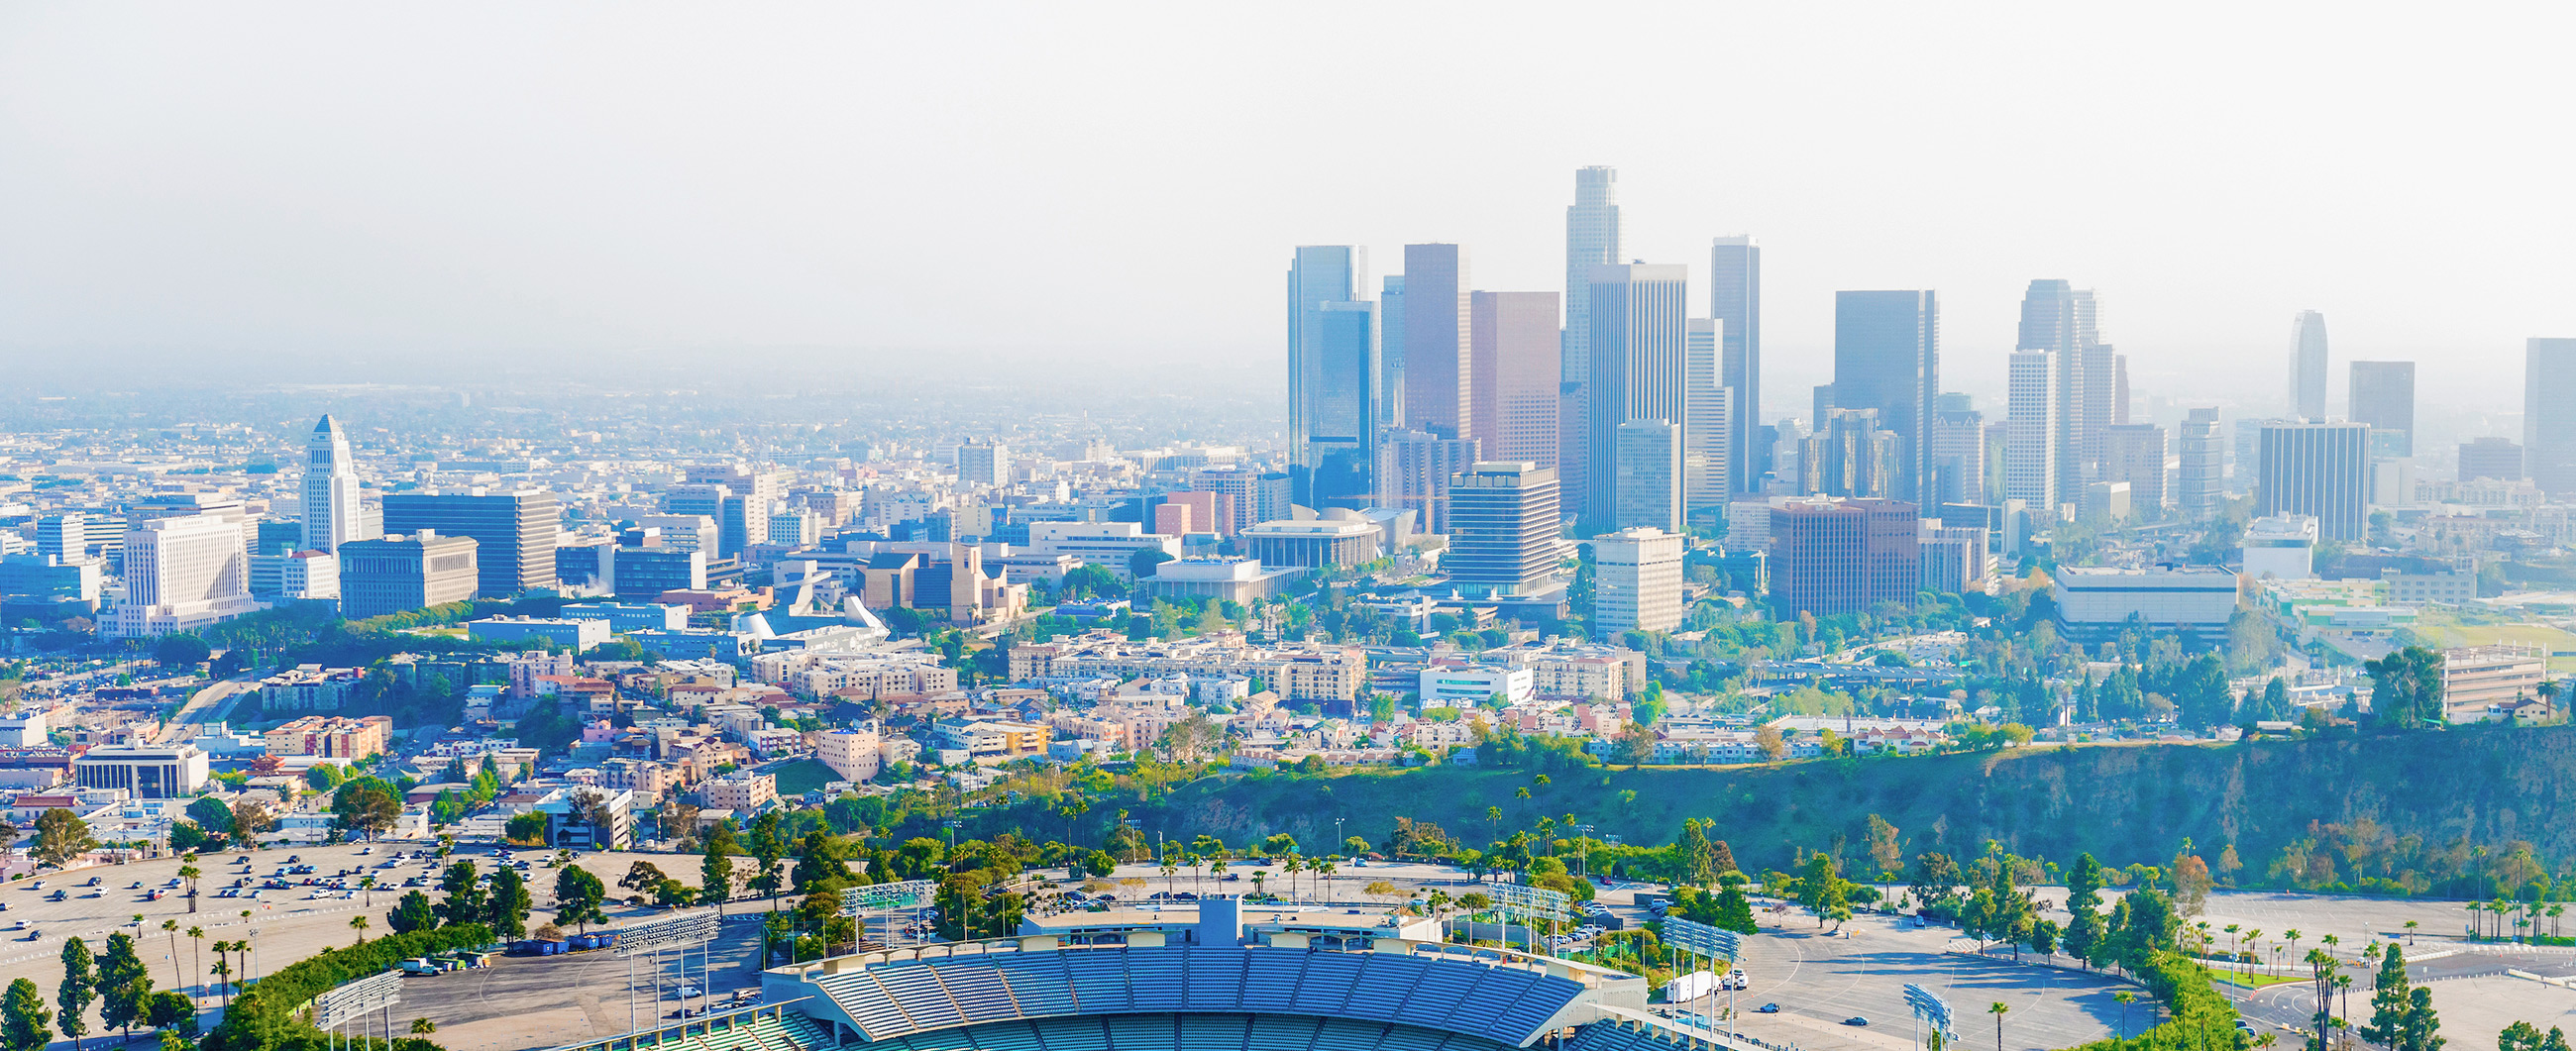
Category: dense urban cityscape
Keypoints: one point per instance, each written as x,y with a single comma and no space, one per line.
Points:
1512,668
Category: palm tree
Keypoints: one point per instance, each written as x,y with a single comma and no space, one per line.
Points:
190,873
1292,865
2293,935
172,928
359,924
2410,932
1324,870
2125,998
1999,1011
197,947
367,883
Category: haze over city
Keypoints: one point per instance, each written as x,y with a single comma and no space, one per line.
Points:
1334,527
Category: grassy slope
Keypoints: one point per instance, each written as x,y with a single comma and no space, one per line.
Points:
2124,803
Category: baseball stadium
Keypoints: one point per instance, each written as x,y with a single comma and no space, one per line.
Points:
1221,976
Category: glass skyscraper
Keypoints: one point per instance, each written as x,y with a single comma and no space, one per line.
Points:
1887,357
1334,375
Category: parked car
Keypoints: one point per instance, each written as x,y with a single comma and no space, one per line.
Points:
1855,1020
1767,1009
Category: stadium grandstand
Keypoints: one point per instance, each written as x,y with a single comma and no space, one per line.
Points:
1217,977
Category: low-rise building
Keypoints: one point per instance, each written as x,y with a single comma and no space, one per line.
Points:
2479,680
331,736
2095,604
308,688
1456,684
577,636
742,792
144,771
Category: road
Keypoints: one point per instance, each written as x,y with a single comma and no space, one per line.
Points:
205,706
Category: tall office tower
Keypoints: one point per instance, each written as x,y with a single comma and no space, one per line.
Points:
2383,396
1439,392
1334,365
1648,472
2201,484
1591,239
2120,389
2308,366
2548,425
1514,350
2490,458
2135,453
1958,451
1637,576
1887,356
983,463
1821,407
1735,303
1413,472
514,533
2317,469
1390,349
2033,437
2058,319
1842,556
182,573
1850,456
1503,523
1637,351
1708,454
330,488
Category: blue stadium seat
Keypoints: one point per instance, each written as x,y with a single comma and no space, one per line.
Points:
1326,986
1037,982
1098,978
919,993
977,988
1215,980
1140,1032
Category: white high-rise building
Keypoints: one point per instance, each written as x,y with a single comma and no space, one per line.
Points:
1637,577
1636,347
2032,433
183,573
1735,303
1709,435
330,489
2308,366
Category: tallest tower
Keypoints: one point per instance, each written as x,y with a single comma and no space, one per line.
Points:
1591,239
330,488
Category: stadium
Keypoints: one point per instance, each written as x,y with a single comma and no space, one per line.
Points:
1218,977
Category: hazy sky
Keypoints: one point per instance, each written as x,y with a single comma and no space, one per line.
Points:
1124,182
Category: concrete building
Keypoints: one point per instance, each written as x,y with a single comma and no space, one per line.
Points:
1503,530
1953,558
1887,357
1647,476
1222,577
2200,481
983,463
183,573
1637,575
400,573
2095,604
743,792
2476,679
1109,545
1413,472
584,818
1513,348
1842,556
2282,547
2383,396
1322,543
2135,453
514,532
330,494
312,574
850,753
1335,376
1637,363
144,771
630,616
2317,469
2034,430
331,736
2490,458
1439,393
1456,684
563,633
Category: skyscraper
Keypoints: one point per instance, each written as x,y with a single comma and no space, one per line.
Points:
1842,556
1735,303
2490,458
1636,349
1334,369
1515,353
1438,389
978,463
330,488
2308,366
1591,239
1887,357
1850,456
2135,453
1958,452
1647,467
2030,469
1413,472
2058,319
2383,396
183,572
2317,469
2548,422
1638,581
1708,457
2200,483
1502,528
514,532
1390,347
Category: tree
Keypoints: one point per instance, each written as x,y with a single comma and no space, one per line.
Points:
2191,884
464,902
2389,1001
177,650
506,905
577,897
122,983
715,869
1698,857
80,986
412,913
2406,688
2083,905
1999,1010
61,836
366,806
769,848
526,830
250,818
172,1013
23,1017
1822,889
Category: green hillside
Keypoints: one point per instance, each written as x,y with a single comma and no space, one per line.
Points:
2419,803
